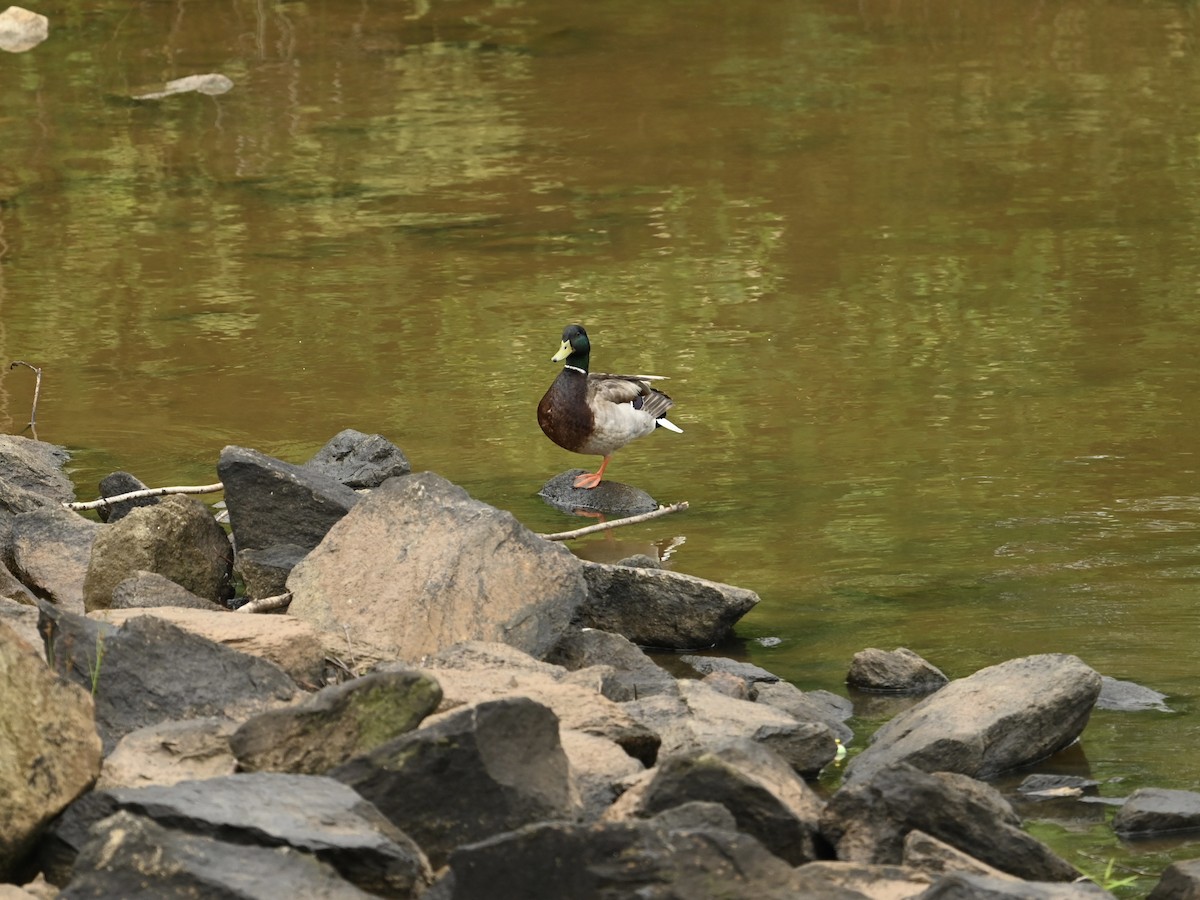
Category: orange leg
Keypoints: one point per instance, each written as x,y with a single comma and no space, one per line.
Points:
591,479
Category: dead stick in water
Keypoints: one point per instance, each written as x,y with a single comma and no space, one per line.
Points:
266,604
617,523
37,390
147,492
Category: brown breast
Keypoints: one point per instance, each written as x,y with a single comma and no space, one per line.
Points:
564,414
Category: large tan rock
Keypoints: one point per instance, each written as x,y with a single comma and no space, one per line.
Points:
170,752
177,538
419,565
49,749
292,645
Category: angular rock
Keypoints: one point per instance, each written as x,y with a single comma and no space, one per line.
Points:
178,539
117,483
23,620
962,886
634,673
51,548
265,572
149,671
336,723
273,503
129,853
1156,810
766,797
292,645
1000,718
49,749
478,671
556,860
867,821
359,460
472,773
701,718
454,569
609,497
1127,696
1179,881
170,752
829,709
925,852
142,590
709,665
319,816
599,771
899,671
731,685
660,608
31,475
12,589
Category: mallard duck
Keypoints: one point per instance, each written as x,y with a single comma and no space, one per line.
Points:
598,414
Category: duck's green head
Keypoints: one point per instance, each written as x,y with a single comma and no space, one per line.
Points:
575,347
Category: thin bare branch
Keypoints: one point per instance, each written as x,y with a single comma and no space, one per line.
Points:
37,391
146,492
266,604
617,523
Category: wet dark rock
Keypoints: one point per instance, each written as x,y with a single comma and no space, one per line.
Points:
455,569
49,749
117,483
273,503
868,821
51,548
468,774
555,860
634,674
1126,696
829,709
1156,810
336,723
1180,881
149,671
610,497
360,460
706,665
766,797
1050,787
178,538
898,671
127,853
1000,718
960,886
265,572
660,608
700,718
143,590
309,813
31,475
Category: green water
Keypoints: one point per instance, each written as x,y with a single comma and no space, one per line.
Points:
924,276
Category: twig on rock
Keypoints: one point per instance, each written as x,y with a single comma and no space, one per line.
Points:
37,390
266,604
617,523
147,492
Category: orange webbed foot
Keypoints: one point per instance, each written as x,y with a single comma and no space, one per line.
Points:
590,480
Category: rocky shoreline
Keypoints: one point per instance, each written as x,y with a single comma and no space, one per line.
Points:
454,707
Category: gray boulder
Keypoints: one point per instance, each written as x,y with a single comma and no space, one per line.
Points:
644,859
143,590
660,608
633,673
359,460
51,548
131,856
869,820
265,572
178,539
149,671
468,775
1000,718
766,797
117,483
1157,810
274,503
336,723
714,665
610,497
419,565
960,886
32,475
1128,696
308,813
49,753
899,671
829,709
1179,881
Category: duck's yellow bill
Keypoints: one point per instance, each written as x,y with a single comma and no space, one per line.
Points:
563,352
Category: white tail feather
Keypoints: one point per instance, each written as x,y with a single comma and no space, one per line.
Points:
669,425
